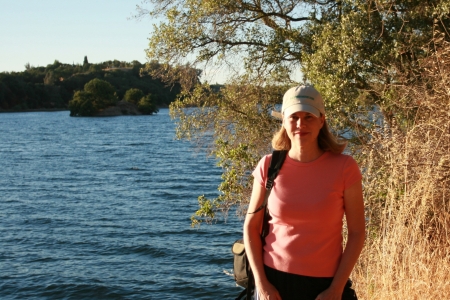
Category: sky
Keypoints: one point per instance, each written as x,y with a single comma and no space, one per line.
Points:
39,32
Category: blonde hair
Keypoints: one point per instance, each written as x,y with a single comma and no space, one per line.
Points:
327,141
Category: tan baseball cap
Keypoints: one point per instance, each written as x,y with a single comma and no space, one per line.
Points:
301,98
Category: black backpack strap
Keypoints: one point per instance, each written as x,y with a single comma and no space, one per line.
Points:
276,162
242,294
249,290
278,157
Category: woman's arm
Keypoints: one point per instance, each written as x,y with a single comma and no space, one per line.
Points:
354,213
253,244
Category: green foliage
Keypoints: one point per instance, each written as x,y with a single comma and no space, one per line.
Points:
49,78
54,86
94,68
103,92
354,52
133,95
146,105
82,104
355,58
97,95
236,126
18,94
207,210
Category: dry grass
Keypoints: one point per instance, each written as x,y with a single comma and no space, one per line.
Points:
407,193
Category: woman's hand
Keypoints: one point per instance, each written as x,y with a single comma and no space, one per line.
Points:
267,291
330,294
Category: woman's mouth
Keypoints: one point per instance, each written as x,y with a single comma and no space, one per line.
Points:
301,133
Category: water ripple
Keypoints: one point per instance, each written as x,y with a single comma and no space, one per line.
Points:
99,208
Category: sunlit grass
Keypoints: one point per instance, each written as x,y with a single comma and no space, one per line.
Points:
407,194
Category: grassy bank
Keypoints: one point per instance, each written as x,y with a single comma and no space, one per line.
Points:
407,193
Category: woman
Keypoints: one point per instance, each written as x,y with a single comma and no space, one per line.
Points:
303,257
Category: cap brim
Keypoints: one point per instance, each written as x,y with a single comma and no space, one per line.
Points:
302,107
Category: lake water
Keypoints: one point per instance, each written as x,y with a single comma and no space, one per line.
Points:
99,208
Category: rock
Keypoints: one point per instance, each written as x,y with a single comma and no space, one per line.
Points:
122,108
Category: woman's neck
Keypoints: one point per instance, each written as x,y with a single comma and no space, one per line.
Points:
305,154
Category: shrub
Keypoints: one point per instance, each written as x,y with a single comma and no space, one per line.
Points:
133,95
146,105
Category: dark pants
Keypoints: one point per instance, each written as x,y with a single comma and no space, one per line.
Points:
299,287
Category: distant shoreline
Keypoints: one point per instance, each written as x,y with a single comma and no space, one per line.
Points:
35,110
52,109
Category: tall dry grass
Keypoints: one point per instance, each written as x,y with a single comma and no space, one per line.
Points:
407,191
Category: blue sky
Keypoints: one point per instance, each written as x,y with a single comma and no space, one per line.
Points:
42,31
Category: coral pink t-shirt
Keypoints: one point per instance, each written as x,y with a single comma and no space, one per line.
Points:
307,208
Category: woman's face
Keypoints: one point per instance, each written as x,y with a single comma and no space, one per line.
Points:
303,127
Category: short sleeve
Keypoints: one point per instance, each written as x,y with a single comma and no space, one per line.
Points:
352,174
260,172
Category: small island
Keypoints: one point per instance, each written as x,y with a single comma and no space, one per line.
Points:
99,98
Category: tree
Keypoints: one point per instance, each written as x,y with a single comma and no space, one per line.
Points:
133,95
49,78
352,51
95,68
382,67
3,103
103,92
86,64
97,95
82,104
146,105
26,89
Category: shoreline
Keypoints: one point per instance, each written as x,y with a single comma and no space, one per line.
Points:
35,110
51,110
56,109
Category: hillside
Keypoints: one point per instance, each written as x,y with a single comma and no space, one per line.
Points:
53,86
